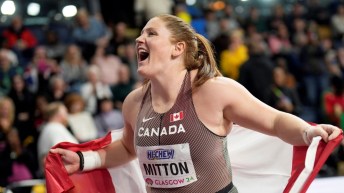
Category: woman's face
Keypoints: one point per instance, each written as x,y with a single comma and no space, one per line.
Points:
18,83
154,48
5,108
279,76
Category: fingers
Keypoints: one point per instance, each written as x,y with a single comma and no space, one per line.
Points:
334,134
57,150
319,131
331,130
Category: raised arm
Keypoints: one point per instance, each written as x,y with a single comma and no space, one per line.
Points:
244,109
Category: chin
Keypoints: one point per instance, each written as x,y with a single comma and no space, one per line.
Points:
144,73
141,72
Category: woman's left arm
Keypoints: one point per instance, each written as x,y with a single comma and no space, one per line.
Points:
243,108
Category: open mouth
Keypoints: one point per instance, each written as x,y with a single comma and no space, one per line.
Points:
143,55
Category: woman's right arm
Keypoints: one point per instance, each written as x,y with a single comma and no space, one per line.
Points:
118,152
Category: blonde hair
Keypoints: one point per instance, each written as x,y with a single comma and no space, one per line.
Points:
51,110
198,54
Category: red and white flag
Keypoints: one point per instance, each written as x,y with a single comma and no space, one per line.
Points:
266,163
177,116
123,179
259,163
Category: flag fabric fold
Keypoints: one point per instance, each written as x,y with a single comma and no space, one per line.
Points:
314,156
259,162
124,179
270,165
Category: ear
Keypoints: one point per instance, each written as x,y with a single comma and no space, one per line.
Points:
178,49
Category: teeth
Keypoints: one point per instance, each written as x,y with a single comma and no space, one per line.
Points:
142,53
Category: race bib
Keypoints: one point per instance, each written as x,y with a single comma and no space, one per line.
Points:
168,166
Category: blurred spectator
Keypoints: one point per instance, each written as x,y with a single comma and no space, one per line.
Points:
234,56
108,118
298,11
89,33
7,71
337,21
23,101
57,90
73,67
181,11
93,90
39,71
80,121
225,27
130,59
256,19
41,102
55,48
125,85
229,18
54,131
20,39
334,101
256,73
147,9
108,65
212,24
315,10
330,57
340,59
299,30
314,70
279,43
118,39
281,97
198,21
276,18
15,161
320,13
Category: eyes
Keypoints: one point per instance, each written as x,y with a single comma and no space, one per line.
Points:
151,33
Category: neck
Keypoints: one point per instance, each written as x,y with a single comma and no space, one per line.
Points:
165,89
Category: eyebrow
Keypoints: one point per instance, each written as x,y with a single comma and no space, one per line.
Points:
147,29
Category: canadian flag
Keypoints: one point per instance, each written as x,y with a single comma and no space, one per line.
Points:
268,160
126,178
259,162
177,116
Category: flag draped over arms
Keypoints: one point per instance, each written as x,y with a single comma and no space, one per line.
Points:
259,162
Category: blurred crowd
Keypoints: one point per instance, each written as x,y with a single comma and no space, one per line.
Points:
54,90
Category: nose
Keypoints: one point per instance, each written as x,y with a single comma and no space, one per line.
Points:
139,39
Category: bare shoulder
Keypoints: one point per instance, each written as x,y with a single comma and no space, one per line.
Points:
132,103
135,96
221,86
222,92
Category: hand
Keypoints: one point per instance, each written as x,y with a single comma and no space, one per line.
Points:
327,132
70,159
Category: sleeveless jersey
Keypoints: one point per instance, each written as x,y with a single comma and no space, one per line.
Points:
162,134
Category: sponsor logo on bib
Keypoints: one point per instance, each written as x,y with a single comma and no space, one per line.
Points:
160,154
167,166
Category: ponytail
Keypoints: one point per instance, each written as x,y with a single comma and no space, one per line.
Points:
198,54
205,61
